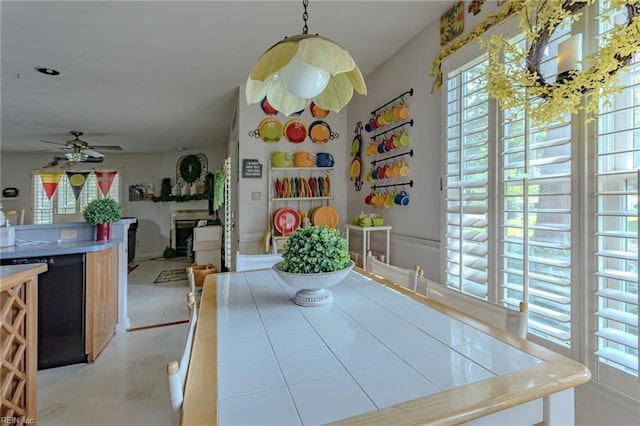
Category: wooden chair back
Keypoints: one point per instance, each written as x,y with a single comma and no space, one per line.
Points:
499,316
249,262
192,279
407,278
177,371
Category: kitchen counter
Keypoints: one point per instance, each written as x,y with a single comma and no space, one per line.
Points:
53,248
70,238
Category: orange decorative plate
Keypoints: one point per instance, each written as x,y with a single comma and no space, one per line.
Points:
325,216
320,132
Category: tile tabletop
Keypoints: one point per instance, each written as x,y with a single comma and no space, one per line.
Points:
372,348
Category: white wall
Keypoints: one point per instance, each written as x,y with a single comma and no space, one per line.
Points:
153,218
252,215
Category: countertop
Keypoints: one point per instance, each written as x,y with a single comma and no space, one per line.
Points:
25,248
21,272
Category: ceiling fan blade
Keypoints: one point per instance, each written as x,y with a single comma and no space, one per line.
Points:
61,149
107,147
92,153
55,143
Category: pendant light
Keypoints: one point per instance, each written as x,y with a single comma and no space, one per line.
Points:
304,68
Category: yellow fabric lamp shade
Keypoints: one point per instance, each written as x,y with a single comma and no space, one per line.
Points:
281,72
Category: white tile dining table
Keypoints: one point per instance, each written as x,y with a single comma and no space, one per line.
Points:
380,354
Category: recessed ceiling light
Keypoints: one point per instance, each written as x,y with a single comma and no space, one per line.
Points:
47,71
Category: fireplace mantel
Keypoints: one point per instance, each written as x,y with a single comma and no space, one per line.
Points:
189,205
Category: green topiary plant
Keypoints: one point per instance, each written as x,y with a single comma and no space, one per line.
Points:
102,210
315,249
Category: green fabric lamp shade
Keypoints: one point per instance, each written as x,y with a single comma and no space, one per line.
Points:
304,68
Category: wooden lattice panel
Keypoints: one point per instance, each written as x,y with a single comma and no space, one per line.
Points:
14,348
18,347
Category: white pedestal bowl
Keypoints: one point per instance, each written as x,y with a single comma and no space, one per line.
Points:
313,287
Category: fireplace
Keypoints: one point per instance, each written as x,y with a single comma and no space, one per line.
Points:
183,218
184,230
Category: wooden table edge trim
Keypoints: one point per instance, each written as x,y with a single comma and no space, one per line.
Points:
200,402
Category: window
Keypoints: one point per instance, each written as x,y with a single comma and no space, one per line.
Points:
64,201
466,180
535,248
617,163
549,214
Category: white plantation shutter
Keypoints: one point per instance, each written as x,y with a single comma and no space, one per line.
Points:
536,218
536,226
617,163
466,180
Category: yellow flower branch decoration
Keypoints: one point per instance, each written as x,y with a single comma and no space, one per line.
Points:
514,77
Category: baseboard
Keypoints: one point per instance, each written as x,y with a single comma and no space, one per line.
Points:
596,400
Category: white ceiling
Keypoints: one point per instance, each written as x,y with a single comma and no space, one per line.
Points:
156,76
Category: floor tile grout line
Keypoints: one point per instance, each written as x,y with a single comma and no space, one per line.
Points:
147,327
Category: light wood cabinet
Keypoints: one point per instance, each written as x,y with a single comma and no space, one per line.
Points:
101,299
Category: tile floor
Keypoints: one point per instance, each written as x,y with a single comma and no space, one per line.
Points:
152,303
127,385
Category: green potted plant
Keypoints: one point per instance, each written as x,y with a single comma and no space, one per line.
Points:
314,258
102,212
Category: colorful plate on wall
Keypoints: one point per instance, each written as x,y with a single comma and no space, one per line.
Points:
317,112
356,168
267,108
295,131
325,216
320,132
270,130
356,144
286,220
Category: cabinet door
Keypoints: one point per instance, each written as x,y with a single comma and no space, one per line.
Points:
102,299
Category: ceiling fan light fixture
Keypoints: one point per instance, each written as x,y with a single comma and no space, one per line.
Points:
304,68
76,156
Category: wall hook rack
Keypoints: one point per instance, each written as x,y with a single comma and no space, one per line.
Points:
408,92
410,123
409,153
410,183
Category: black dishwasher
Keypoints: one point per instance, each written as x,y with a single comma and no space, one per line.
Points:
61,309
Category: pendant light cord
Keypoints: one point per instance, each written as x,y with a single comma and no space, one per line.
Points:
305,16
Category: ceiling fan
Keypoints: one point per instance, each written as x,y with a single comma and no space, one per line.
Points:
81,150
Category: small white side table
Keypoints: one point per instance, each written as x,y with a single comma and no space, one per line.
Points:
366,239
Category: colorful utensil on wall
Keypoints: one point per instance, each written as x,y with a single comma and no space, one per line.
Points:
290,187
